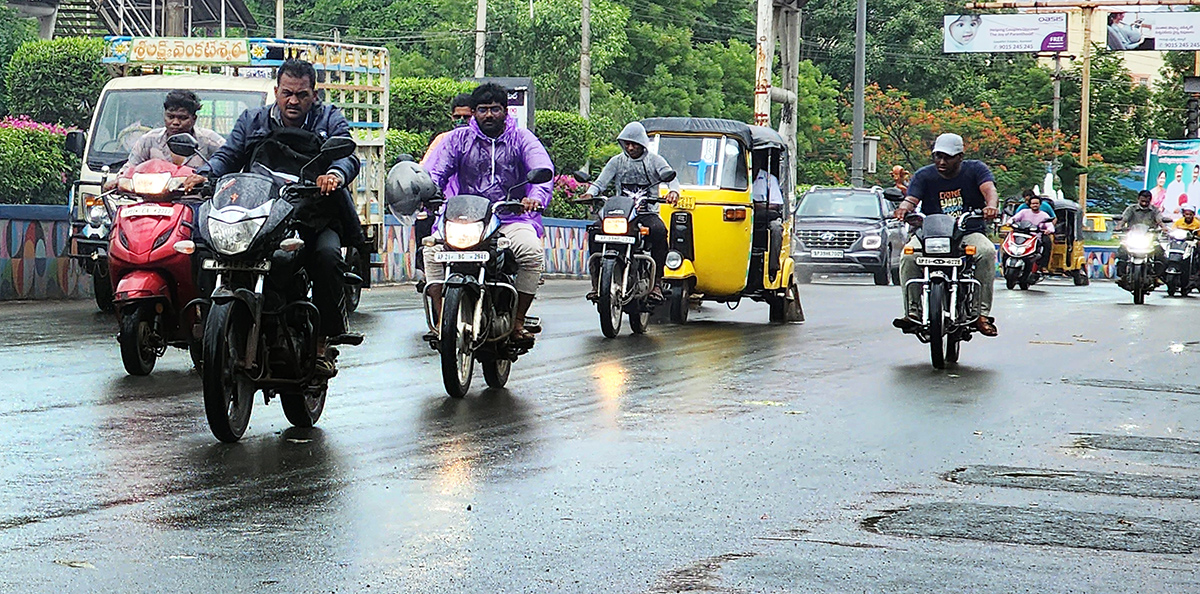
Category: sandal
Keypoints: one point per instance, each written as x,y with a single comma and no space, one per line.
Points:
986,326
520,334
907,323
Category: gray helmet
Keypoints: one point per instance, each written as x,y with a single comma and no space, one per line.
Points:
407,186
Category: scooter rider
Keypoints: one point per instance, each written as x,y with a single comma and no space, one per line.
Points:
488,156
949,186
637,166
296,106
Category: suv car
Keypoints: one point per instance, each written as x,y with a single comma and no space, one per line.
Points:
847,230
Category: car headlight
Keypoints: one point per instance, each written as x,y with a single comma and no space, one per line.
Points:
97,216
151,184
872,242
233,238
616,226
464,235
674,260
937,245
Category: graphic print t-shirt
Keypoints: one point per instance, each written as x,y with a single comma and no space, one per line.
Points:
939,195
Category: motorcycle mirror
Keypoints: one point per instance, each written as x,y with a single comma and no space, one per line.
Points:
184,145
539,176
338,147
582,177
76,141
1167,220
668,177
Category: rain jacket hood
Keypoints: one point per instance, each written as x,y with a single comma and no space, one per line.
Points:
635,132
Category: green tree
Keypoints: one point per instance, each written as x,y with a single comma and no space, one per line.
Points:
14,30
56,80
1122,117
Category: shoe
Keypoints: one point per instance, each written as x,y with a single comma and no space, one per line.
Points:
593,296
533,324
656,296
521,335
907,323
986,326
325,367
350,338
430,336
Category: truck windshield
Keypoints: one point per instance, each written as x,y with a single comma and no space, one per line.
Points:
706,161
839,204
125,115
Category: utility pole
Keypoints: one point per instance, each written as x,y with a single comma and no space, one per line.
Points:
174,17
279,19
764,55
1085,106
860,78
480,36
585,59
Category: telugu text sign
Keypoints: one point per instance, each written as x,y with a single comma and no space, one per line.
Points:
1150,28
189,50
989,33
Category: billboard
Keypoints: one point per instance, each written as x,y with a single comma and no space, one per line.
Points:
989,33
1173,174
1157,28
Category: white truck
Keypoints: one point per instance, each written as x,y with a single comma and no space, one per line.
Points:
230,75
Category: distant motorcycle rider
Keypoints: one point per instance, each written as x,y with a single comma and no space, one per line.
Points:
638,167
1140,214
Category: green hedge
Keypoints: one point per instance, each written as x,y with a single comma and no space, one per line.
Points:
399,142
56,80
34,168
422,105
567,137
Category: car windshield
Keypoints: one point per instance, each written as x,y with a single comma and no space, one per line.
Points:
839,204
706,161
126,115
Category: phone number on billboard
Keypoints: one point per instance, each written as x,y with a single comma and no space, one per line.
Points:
1013,47
1183,44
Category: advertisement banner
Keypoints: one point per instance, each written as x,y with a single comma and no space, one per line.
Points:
1173,174
1152,28
989,33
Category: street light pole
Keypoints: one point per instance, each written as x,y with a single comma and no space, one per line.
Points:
860,76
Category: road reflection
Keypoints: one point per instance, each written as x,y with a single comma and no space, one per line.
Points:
483,436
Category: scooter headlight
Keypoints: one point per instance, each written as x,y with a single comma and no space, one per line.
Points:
1179,234
464,235
151,184
872,242
937,245
233,238
674,260
616,226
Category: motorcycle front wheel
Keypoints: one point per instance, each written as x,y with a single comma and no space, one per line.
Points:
228,393
1137,279
137,328
937,318
609,302
458,358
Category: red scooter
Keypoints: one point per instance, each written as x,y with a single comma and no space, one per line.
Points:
150,259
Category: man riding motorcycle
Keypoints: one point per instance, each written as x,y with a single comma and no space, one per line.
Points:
950,185
1144,214
488,156
460,115
297,109
1188,222
636,166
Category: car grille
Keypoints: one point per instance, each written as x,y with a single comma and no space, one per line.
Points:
838,240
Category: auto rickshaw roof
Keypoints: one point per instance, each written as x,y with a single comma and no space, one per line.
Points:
766,138
1065,205
714,126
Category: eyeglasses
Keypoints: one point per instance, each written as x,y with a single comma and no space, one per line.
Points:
482,109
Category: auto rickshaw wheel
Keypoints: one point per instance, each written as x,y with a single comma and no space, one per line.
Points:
1080,276
679,302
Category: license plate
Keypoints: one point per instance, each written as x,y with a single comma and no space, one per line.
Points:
615,239
210,264
461,257
147,210
939,261
827,253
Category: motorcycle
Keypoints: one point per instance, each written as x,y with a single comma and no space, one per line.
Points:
947,284
150,261
1179,246
479,299
626,272
1141,268
261,329
1022,249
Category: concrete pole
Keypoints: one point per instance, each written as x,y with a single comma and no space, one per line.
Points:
585,59
174,18
279,19
764,54
1085,106
480,36
1057,101
860,76
788,24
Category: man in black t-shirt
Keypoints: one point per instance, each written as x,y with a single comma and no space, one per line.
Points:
948,186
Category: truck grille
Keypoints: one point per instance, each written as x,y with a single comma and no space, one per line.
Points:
838,240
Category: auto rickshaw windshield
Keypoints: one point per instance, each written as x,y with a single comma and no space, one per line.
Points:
706,161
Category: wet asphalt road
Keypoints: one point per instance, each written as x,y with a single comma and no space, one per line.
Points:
726,455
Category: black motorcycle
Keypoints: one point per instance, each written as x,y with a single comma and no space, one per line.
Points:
947,284
623,272
1179,246
261,329
479,297
1139,262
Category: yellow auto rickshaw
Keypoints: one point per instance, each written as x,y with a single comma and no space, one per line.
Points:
1067,257
725,245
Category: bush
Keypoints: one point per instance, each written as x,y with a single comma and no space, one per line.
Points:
14,30
601,154
567,137
56,80
34,167
399,142
561,207
422,105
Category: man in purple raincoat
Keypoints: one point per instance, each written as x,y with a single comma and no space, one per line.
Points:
488,156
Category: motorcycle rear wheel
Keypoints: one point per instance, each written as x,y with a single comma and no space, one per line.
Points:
458,360
303,408
137,326
937,317
495,372
608,303
228,393
639,317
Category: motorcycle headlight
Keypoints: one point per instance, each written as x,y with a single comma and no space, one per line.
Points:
616,226
233,238
97,216
151,183
872,242
1138,242
1179,234
464,235
937,245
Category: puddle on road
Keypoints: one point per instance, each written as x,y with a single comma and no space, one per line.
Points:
1079,481
1038,526
701,576
1134,443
